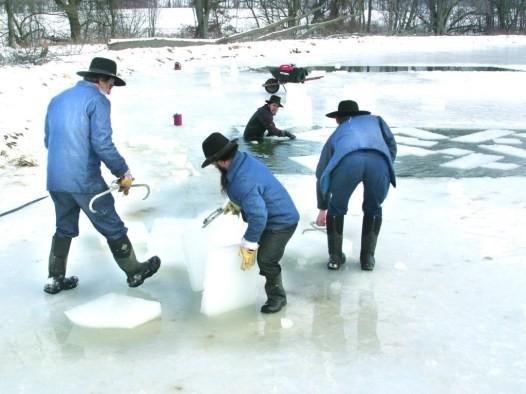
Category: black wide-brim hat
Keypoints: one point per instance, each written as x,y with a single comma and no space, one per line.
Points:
274,99
347,108
215,146
102,66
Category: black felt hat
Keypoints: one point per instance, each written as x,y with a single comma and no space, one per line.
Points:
347,108
215,146
274,99
102,66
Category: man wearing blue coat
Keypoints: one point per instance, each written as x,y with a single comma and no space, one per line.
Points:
361,149
264,204
78,137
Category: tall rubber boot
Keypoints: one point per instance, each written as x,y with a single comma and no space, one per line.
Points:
276,296
335,241
370,230
58,258
124,255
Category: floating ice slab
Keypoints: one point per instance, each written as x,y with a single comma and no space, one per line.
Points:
501,166
483,136
415,141
308,161
114,311
508,150
455,151
413,151
418,133
472,161
509,141
226,287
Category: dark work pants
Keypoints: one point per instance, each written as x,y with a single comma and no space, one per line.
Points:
271,249
68,207
367,166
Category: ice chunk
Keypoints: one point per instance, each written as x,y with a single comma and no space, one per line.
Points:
508,150
418,133
226,287
114,311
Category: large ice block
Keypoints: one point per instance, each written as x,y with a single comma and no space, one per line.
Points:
198,241
226,287
114,311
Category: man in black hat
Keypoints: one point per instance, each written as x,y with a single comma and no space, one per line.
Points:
263,120
361,149
78,137
264,204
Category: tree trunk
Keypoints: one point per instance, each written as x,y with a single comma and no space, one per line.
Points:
11,36
71,8
202,13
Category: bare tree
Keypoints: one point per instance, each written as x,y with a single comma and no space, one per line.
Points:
202,14
11,36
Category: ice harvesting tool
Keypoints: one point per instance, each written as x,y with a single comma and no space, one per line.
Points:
113,187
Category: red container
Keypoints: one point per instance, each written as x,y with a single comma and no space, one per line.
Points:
178,119
177,66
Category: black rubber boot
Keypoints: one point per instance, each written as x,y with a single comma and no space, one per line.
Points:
58,258
370,230
276,297
124,255
335,241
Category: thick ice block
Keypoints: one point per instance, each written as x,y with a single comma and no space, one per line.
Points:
198,241
226,287
114,311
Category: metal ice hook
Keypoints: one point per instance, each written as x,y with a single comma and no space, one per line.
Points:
113,187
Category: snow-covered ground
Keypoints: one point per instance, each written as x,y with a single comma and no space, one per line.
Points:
442,312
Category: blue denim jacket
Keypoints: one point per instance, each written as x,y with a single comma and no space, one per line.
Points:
264,202
364,132
78,138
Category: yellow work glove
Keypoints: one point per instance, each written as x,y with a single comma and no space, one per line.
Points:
125,183
232,208
248,258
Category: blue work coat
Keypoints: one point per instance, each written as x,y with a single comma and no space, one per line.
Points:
78,138
363,132
264,202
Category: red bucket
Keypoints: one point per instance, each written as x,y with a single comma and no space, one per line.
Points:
178,119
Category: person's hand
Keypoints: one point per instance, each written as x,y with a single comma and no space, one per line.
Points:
289,134
321,220
248,258
125,183
232,208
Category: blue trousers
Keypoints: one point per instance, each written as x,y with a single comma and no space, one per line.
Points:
367,166
68,207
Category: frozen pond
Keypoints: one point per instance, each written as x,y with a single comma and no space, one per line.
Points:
442,312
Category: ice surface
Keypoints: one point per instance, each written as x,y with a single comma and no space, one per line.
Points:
472,161
226,286
501,166
114,311
482,136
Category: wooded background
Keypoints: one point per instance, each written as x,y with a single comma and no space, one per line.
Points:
27,23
